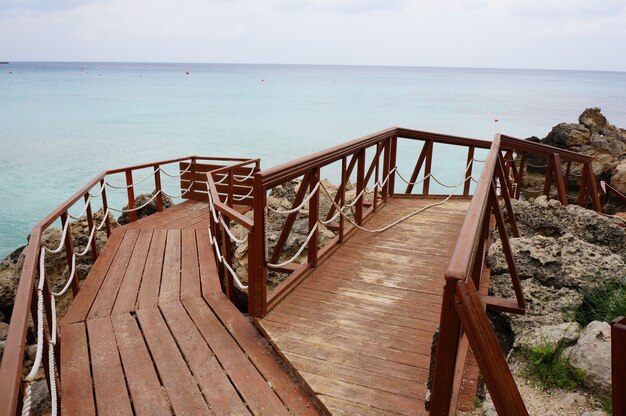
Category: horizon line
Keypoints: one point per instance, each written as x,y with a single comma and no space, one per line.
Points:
321,65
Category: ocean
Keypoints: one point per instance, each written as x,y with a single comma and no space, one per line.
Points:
63,123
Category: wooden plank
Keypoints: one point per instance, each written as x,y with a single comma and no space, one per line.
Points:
250,384
143,382
209,277
151,280
77,394
108,378
170,279
182,390
190,275
341,407
107,294
262,355
366,396
213,381
129,288
89,290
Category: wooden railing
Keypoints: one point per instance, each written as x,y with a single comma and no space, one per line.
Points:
230,188
618,365
27,296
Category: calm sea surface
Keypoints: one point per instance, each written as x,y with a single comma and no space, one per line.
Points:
62,123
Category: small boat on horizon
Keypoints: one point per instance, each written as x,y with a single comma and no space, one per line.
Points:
3,63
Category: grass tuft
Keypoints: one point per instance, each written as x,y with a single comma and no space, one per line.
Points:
548,367
603,304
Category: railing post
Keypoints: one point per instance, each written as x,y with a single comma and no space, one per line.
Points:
105,208
314,206
618,365
468,170
558,175
94,246
360,186
229,284
342,197
230,198
257,280
130,190
427,168
158,188
69,251
386,169
447,347
393,146
376,175
520,176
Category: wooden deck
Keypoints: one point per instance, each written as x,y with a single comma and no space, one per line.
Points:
151,333
359,337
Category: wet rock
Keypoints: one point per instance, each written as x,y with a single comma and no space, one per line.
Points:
592,353
149,208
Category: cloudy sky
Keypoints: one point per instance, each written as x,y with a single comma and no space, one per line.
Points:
559,34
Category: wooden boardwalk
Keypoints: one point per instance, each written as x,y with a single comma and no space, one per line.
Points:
361,337
151,333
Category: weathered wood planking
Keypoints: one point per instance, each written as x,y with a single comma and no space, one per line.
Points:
359,328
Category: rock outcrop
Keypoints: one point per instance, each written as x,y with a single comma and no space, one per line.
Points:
594,136
148,204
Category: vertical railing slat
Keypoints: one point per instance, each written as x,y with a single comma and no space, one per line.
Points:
158,188
314,206
468,171
105,208
130,191
90,224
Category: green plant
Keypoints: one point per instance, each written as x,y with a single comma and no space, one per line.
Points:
603,304
550,368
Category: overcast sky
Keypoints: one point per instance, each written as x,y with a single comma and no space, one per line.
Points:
559,34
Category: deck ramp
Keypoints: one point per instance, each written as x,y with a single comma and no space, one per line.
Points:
358,330
150,332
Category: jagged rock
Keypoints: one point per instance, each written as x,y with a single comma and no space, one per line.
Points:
40,399
566,135
56,264
618,178
560,262
594,413
545,306
550,218
592,353
565,333
149,208
592,118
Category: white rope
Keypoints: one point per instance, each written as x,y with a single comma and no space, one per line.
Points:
244,196
301,249
174,175
104,220
334,217
246,178
62,242
137,208
87,205
115,186
230,233
182,194
69,279
39,353
53,378
406,217
224,176
82,253
27,400
102,188
299,207
223,261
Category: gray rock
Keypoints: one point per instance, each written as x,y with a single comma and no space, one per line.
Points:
592,353
4,330
564,262
545,306
40,398
565,333
618,178
594,413
566,135
593,118
149,208
550,218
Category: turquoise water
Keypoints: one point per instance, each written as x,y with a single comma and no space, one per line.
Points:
62,123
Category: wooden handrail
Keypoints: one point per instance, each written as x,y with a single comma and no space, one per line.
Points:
512,143
464,254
